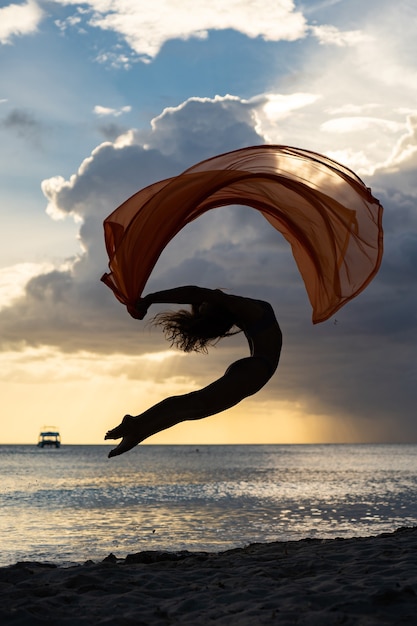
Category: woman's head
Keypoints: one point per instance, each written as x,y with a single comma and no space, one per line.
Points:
198,328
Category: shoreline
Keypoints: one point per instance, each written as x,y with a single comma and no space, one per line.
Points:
366,581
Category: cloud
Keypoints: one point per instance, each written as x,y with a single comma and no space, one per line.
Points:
233,118
360,124
147,27
114,171
67,307
35,365
353,98
337,369
365,89
13,280
405,151
104,111
112,131
17,20
72,21
330,35
271,109
280,106
23,124
355,109
117,58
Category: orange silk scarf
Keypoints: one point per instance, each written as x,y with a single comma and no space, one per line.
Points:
326,213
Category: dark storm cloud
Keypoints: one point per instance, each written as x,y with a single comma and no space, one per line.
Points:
358,366
362,362
72,309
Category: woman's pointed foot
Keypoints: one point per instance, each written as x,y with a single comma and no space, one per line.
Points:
126,444
128,430
125,428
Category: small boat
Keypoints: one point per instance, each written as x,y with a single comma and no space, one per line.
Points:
49,439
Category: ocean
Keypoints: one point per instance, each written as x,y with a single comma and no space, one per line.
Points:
72,504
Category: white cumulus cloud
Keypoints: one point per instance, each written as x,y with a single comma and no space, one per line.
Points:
19,19
147,26
103,111
330,35
13,280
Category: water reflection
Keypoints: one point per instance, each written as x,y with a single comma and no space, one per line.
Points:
72,504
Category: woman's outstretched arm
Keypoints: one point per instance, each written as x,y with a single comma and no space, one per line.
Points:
240,307
178,295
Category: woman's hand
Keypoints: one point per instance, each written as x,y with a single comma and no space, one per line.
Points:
140,309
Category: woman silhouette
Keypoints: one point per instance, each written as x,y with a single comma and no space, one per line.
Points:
213,315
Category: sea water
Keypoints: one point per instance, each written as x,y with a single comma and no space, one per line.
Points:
72,504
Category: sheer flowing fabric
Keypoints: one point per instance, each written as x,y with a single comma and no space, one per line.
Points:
325,212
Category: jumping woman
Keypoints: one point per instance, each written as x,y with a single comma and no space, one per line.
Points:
213,315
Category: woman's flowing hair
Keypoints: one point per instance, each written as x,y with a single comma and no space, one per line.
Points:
193,330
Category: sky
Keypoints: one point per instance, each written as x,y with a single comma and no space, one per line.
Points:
101,98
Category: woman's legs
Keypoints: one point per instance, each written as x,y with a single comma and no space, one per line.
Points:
243,378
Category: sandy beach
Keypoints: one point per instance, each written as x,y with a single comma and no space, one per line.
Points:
359,581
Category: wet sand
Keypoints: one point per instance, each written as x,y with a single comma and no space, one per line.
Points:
361,581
